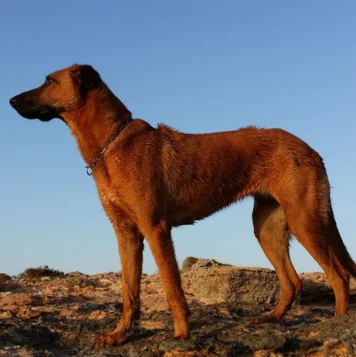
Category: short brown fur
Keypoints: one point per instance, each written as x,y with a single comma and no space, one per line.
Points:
153,179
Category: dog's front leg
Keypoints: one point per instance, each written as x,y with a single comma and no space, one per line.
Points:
130,243
161,245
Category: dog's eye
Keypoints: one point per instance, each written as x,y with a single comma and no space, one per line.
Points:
49,81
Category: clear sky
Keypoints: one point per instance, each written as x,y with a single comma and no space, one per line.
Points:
199,66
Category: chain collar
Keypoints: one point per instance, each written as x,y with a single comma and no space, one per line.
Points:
90,167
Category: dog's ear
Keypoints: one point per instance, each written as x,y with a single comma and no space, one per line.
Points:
86,76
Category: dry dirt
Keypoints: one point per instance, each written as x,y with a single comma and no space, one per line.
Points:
62,316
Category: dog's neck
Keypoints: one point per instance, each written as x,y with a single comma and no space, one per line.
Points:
97,121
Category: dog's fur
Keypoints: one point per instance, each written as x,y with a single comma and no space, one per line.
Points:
153,179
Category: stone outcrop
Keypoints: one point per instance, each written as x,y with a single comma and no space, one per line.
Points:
61,315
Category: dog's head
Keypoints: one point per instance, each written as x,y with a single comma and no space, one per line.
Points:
63,91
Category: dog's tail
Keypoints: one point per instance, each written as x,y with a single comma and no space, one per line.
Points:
333,237
338,246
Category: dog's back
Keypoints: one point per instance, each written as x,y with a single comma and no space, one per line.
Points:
203,173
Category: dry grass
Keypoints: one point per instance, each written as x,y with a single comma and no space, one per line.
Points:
4,277
40,272
6,283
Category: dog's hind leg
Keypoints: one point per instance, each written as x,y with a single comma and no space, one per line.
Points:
272,232
312,233
130,243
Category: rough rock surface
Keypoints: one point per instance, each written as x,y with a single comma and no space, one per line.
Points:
230,284
62,316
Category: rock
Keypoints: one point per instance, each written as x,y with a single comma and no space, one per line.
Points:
6,315
97,315
105,281
188,263
21,300
26,313
69,312
212,282
63,316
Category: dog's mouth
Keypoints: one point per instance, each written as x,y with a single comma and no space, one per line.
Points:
27,108
45,114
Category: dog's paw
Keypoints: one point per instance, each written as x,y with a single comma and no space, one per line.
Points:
182,336
110,339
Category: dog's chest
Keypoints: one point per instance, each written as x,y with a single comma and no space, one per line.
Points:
109,196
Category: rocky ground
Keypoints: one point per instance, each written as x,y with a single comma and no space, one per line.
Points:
61,315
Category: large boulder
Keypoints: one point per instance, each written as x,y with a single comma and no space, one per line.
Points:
212,282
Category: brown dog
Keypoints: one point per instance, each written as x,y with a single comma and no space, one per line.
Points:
150,180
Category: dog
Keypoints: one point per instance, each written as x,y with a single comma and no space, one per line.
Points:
150,180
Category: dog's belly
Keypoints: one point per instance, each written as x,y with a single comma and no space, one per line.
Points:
189,216
197,209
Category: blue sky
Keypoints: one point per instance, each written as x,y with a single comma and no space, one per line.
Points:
199,66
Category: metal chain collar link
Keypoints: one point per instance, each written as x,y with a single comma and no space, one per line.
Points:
90,167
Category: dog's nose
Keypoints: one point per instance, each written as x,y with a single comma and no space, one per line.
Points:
13,101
